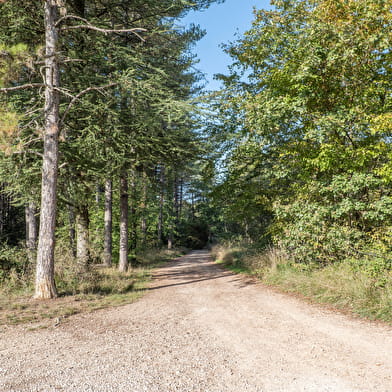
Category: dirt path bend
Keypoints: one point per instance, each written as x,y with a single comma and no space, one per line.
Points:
201,329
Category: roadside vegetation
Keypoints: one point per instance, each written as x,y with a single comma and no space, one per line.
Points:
80,289
352,286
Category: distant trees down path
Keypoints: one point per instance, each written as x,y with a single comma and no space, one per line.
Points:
94,97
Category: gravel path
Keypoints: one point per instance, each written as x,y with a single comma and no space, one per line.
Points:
202,329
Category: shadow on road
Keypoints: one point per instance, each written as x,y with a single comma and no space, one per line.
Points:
194,268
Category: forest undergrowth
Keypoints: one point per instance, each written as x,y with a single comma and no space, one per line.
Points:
80,289
354,286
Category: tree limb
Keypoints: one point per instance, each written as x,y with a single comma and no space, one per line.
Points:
107,31
65,92
21,87
62,19
89,26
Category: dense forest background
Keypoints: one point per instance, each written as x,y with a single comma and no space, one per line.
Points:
287,168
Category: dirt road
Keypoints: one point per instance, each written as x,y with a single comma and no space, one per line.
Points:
203,329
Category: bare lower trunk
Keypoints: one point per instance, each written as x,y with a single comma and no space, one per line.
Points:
161,202
72,231
174,215
82,236
98,193
176,201
180,198
193,204
133,224
144,209
123,260
31,231
170,242
2,209
108,241
44,284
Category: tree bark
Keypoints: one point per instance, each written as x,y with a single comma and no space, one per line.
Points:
174,214
44,285
123,260
193,204
108,236
161,202
144,210
181,198
82,235
31,231
2,209
170,242
72,231
133,220
176,201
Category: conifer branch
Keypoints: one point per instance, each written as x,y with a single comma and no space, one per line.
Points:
76,97
64,92
21,87
87,25
62,19
107,31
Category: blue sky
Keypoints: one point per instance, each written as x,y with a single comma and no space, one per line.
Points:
222,22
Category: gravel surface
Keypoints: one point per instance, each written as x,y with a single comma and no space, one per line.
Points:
203,329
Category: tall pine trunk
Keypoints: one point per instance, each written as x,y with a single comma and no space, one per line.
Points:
144,210
82,235
72,231
181,196
31,231
123,260
108,237
174,214
161,203
133,220
176,201
44,285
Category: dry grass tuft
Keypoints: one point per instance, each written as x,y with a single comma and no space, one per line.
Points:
226,254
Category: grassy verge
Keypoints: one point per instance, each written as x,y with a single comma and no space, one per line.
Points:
344,285
79,290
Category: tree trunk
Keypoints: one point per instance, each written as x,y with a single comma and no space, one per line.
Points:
144,210
44,285
161,202
2,209
170,241
176,201
123,261
181,198
108,238
82,235
98,192
193,204
31,231
72,231
133,219
174,214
